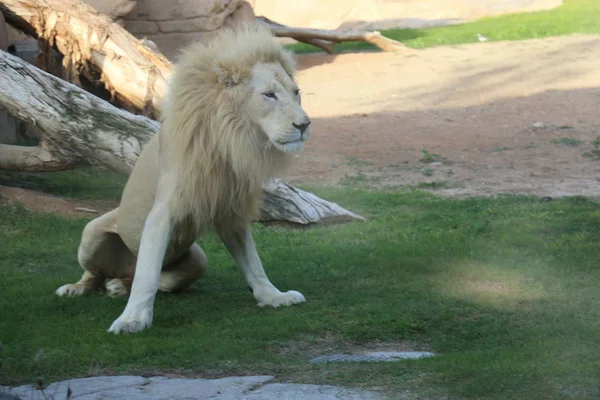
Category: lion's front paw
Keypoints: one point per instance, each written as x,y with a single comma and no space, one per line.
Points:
131,322
274,298
72,289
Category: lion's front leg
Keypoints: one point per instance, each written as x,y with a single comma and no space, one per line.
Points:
155,238
240,244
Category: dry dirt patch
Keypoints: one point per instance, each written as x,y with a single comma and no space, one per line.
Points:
495,113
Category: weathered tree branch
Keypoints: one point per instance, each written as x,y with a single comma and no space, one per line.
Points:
325,45
77,125
323,36
275,27
93,45
33,159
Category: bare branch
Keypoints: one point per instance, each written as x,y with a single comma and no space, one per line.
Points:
336,36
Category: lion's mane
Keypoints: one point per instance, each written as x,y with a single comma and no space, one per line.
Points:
221,158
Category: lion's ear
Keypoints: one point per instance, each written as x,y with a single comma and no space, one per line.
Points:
229,75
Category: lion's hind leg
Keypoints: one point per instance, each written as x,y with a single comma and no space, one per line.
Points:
118,287
86,284
102,254
180,274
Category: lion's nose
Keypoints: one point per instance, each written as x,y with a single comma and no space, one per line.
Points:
301,127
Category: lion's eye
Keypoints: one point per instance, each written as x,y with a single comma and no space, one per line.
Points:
270,95
296,92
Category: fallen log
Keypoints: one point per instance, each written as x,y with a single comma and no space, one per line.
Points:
324,38
287,203
79,126
34,159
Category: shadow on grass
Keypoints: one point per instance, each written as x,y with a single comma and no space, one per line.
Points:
88,182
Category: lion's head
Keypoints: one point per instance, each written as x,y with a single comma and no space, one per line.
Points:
274,105
233,116
239,88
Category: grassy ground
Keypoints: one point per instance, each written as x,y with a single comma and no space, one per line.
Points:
574,16
505,290
89,182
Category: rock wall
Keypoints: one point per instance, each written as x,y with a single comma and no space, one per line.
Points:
8,123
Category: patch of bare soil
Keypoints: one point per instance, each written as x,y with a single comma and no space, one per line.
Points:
42,202
504,117
309,347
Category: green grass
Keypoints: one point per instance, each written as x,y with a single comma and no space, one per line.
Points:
355,162
429,157
568,141
432,185
574,16
504,290
428,171
501,149
94,182
595,152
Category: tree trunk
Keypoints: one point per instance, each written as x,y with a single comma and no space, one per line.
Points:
96,47
78,126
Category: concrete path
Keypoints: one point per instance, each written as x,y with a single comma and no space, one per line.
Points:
159,388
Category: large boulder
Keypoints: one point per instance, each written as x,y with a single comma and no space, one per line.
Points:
172,25
115,9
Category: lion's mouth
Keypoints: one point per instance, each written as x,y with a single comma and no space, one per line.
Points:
291,141
290,146
297,137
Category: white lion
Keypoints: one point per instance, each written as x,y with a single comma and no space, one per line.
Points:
231,121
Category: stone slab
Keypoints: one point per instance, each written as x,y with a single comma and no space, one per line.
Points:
162,388
291,391
380,356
